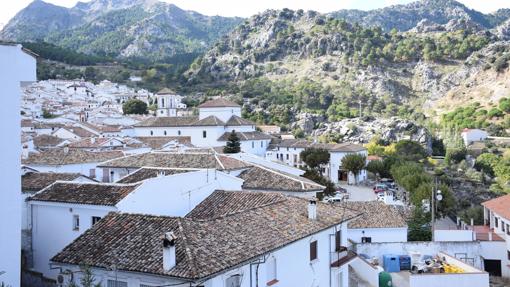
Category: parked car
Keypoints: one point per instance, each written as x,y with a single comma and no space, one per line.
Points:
338,198
380,188
341,190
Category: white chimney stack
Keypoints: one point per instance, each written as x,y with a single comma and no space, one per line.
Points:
93,140
24,152
312,209
66,150
169,259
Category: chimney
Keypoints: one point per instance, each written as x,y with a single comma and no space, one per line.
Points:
66,150
24,152
312,209
169,259
92,140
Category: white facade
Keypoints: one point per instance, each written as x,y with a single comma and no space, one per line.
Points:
89,169
168,105
16,66
289,265
500,225
473,135
378,234
333,170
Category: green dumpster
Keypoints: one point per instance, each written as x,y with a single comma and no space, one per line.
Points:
385,279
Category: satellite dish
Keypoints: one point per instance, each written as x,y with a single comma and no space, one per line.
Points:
60,279
439,197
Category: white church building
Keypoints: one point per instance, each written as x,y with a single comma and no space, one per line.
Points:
215,121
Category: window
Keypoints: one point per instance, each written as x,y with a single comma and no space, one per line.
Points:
287,156
233,281
507,229
162,103
338,240
95,219
76,222
92,172
366,239
204,134
261,143
164,133
496,221
252,144
116,283
508,254
152,133
313,250
295,158
502,226
271,271
178,133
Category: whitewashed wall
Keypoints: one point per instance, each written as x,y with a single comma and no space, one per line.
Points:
268,163
83,168
453,235
223,113
378,234
52,229
15,66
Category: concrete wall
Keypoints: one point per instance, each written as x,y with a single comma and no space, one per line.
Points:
427,280
83,168
453,235
15,66
378,234
256,147
366,271
268,163
52,229
195,132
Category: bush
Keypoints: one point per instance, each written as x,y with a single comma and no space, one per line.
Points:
495,112
455,155
134,106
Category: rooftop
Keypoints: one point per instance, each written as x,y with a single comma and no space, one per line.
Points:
149,172
246,136
376,214
84,193
160,142
176,160
35,181
219,103
61,156
499,205
263,178
44,140
204,245
166,91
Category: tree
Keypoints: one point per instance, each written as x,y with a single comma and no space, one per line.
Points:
134,106
315,157
233,144
475,213
47,114
354,163
87,280
486,163
410,150
455,155
419,226
90,74
376,167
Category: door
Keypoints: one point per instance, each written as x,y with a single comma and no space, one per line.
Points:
493,267
340,279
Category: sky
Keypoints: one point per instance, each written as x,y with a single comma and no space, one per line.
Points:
246,8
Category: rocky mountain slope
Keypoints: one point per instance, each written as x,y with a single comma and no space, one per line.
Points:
121,28
406,17
331,66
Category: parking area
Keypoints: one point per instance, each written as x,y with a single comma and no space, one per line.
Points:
360,193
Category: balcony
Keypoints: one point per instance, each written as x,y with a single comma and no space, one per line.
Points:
341,256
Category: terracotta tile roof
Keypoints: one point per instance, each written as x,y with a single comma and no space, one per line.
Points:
25,123
209,121
146,173
91,142
246,136
84,193
218,103
59,156
160,142
79,131
176,160
167,122
262,178
203,246
45,141
376,215
299,143
35,181
499,205
166,91
238,121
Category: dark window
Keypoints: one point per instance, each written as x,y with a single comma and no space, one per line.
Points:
152,133
338,240
76,222
95,219
507,229
366,239
287,156
179,133
313,250
496,221
508,254
164,132
502,226
204,134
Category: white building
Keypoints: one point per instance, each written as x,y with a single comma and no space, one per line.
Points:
17,66
216,119
288,152
231,239
168,102
473,135
65,210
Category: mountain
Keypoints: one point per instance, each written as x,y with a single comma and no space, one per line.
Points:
283,62
146,29
406,17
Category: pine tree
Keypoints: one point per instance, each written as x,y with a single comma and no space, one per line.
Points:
233,144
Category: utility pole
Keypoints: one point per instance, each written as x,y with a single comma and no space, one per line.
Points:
360,112
436,195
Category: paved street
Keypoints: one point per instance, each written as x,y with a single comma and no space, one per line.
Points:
360,193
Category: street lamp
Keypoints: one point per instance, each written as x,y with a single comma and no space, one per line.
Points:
436,195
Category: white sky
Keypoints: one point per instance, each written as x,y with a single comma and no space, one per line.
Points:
245,8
